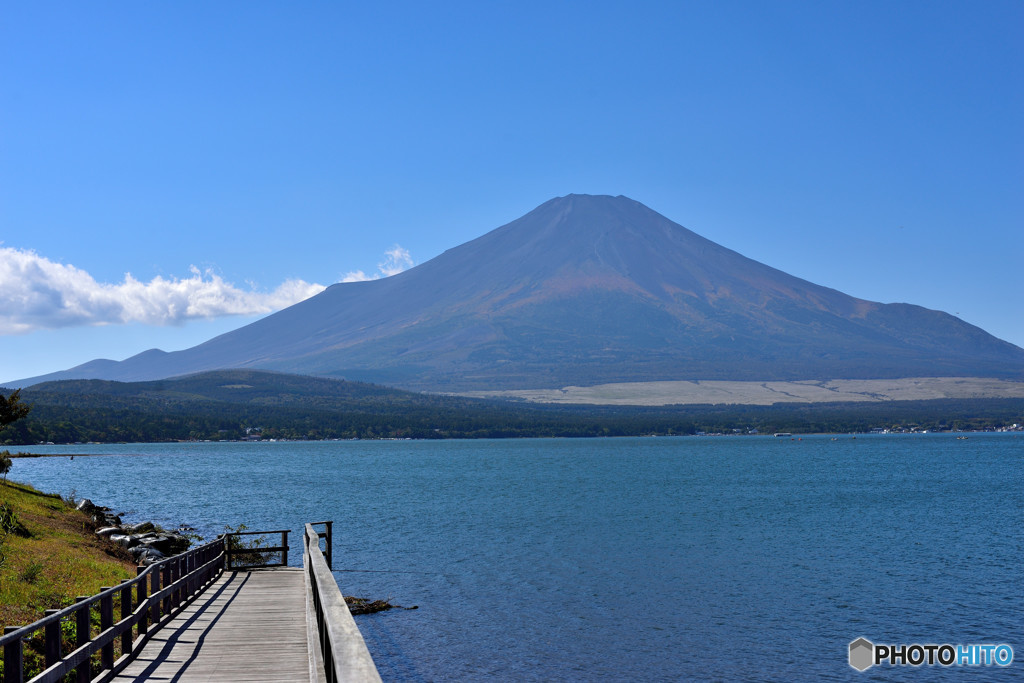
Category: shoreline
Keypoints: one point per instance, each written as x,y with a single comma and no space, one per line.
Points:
15,456
765,435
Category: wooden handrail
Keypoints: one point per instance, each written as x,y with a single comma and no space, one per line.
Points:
182,578
236,552
164,589
340,647
327,533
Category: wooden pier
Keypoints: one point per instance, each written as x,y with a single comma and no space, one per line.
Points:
195,617
244,627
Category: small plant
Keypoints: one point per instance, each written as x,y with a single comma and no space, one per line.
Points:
9,522
32,572
247,553
5,463
194,538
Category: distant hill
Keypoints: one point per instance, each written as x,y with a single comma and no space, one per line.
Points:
588,290
235,404
240,404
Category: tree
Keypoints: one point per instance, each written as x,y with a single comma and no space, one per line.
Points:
11,408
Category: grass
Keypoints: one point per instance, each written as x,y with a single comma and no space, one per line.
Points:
49,555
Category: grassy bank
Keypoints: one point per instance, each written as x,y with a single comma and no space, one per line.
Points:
49,554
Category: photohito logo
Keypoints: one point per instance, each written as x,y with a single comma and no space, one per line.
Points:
864,654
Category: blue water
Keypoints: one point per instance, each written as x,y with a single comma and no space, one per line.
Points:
740,558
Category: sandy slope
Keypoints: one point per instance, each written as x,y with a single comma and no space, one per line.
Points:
767,393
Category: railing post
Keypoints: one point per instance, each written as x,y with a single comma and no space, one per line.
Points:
126,611
330,545
201,560
140,598
14,663
175,575
154,589
181,570
165,579
52,633
83,673
284,544
106,621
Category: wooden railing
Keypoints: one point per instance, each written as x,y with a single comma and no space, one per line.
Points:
258,555
342,653
162,590
147,602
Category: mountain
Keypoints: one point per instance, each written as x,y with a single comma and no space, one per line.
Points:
580,291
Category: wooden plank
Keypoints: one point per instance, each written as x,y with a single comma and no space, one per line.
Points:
248,626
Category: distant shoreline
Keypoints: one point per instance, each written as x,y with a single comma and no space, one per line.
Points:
793,436
57,455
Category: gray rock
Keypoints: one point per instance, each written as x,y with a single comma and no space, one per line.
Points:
104,517
169,543
145,555
125,540
146,535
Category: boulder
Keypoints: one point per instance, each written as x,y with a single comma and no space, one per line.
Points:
104,517
125,540
144,536
169,543
145,555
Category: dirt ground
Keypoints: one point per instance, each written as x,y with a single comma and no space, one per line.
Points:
768,393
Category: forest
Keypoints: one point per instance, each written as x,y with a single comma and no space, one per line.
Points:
238,405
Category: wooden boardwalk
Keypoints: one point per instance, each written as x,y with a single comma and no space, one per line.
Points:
247,626
192,617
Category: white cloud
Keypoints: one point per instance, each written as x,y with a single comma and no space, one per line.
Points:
36,293
358,276
396,259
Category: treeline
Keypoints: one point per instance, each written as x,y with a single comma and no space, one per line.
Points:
232,405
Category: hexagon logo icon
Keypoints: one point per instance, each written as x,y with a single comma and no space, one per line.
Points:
862,654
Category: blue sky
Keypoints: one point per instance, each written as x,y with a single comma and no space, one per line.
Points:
171,171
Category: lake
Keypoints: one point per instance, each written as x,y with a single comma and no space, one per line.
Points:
645,559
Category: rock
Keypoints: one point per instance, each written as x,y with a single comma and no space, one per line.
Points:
169,543
141,528
179,543
125,540
104,517
145,555
143,539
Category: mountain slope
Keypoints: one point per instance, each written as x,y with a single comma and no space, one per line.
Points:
586,290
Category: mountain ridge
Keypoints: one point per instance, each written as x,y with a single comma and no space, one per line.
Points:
587,290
